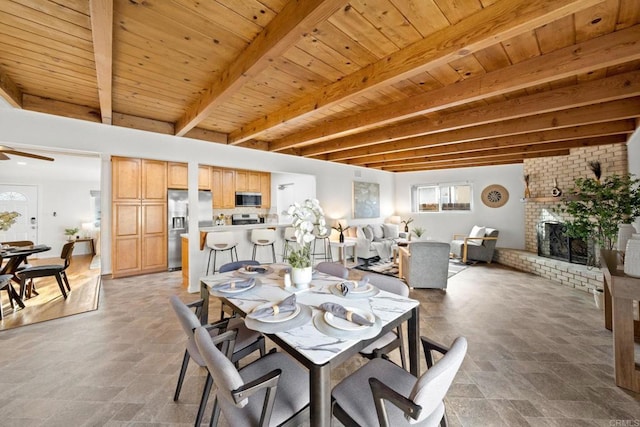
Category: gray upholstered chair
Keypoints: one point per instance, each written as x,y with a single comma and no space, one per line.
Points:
333,269
271,391
427,266
473,247
248,342
360,397
393,339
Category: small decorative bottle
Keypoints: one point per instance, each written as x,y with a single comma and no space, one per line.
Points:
287,280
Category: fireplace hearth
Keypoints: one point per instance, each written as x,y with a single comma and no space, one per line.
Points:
554,243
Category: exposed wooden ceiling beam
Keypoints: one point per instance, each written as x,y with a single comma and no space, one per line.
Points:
602,90
462,164
476,161
297,17
532,148
500,21
612,49
597,113
9,91
102,33
491,142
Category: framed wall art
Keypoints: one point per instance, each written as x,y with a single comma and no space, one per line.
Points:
366,199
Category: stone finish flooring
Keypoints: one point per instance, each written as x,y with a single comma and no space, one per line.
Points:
538,356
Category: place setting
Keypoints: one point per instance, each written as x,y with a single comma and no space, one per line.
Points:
253,270
229,287
354,288
273,318
339,321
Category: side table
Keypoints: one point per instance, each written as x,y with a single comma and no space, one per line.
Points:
341,249
87,240
624,290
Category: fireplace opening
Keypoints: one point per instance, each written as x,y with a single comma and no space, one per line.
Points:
554,243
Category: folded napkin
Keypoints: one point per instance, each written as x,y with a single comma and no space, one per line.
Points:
349,285
234,284
255,268
287,305
339,311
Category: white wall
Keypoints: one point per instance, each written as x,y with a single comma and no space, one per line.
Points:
333,181
509,219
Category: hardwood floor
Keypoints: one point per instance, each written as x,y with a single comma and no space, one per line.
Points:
50,304
538,356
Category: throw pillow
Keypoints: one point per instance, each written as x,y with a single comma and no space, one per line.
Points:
368,232
476,232
378,233
391,231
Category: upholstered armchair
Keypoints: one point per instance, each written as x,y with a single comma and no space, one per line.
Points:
478,245
425,264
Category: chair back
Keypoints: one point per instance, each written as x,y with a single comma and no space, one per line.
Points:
428,264
263,236
490,232
225,375
220,240
431,388
235,265
19,243
333,269
189,322
388,283
67,251
290,234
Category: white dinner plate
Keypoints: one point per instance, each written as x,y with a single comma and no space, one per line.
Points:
344,324
361,289
234,291
280,317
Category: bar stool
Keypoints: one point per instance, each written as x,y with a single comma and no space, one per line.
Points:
325,254
263,237
220,241
289,241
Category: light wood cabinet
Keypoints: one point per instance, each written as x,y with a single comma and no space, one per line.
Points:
265,189
242,180
177,176
185,262
247,180
139,224
204,178
223,187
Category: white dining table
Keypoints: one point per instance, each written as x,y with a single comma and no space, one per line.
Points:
308,337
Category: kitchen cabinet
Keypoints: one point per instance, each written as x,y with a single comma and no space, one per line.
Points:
177,176
223,187
139,223
204,178
265,189
247,180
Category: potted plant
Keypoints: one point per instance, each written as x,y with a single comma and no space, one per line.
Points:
71,232
418,231
597,208
308,221
340,229
406,223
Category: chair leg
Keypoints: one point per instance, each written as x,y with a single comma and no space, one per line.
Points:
183,371
61,286
13,294
401,348
215,413
273,252
66,281
203,400
253,257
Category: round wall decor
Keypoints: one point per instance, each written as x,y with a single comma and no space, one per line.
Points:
495,196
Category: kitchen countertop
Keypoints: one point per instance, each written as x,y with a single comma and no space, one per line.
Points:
243,227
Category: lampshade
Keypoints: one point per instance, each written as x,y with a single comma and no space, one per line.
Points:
87,228
395,219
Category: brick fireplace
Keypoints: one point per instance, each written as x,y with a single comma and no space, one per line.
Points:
541,208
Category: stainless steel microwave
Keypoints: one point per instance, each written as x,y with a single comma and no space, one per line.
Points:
248,199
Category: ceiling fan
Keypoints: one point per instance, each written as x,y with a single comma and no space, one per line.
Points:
4,150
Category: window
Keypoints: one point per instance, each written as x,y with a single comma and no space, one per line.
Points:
441,197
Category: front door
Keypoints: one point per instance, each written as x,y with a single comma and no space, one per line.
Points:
24,200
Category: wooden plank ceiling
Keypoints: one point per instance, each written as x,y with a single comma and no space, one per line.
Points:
398,85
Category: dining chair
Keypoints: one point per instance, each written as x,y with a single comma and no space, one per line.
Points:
248,341
392,339
271,391
263,237
59,271
233,266
5,285
289,242
220,241
359,399
333,269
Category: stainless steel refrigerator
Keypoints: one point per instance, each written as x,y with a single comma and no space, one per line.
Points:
178,217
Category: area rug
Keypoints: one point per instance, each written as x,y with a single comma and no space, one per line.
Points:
390,269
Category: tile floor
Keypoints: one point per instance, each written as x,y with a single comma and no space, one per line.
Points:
538,356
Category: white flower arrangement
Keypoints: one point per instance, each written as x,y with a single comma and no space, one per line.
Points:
308,222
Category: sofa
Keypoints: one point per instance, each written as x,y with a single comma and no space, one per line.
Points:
478,245
375,240
426,264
